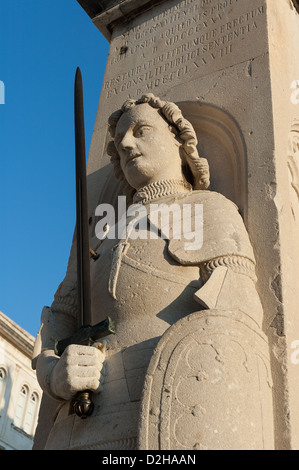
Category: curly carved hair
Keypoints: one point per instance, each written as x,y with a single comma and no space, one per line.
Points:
198,166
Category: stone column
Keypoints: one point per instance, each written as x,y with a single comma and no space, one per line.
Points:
232,66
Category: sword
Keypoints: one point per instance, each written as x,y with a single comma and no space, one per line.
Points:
83,263
82,404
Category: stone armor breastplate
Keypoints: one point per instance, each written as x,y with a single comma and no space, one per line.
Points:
145,286
144,291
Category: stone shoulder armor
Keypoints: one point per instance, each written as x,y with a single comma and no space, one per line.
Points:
223,230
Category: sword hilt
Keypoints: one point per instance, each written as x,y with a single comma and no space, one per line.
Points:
87,335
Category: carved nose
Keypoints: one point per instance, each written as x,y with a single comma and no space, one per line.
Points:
127,142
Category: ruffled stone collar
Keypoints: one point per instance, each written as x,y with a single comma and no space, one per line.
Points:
160,189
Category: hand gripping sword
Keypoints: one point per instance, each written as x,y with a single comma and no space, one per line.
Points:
87,334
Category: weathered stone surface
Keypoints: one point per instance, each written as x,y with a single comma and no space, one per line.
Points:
148,283
231,67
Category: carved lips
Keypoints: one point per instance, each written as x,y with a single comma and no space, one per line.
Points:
132,156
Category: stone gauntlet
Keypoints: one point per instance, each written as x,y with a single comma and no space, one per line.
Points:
79,367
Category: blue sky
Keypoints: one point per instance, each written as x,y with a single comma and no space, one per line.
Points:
41,44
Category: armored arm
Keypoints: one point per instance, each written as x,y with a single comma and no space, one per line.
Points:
226,259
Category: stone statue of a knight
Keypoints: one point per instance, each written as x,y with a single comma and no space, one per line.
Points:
188,367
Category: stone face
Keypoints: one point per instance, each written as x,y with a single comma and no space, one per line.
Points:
231,67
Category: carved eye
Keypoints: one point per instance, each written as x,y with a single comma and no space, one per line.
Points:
142,131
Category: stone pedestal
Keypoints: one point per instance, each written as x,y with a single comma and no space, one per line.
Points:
232,67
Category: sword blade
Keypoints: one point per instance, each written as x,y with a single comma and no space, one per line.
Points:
82,226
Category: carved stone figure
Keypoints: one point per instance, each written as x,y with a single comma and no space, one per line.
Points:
188,365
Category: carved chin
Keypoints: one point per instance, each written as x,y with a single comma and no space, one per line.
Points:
140,169
134,169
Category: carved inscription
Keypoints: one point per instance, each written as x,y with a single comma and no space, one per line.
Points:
190,37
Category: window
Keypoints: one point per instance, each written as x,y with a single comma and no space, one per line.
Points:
26,410
3,377
30,414
21,405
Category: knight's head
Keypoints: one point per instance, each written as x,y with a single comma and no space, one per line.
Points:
153,142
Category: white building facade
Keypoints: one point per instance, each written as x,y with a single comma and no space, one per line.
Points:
20,394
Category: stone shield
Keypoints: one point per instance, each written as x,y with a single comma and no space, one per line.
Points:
208,384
